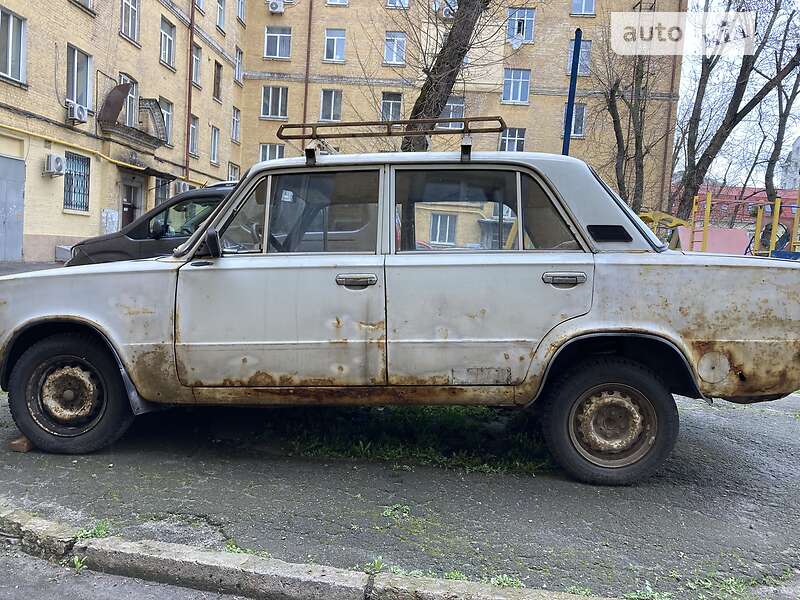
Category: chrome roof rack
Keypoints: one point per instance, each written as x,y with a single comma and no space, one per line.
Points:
319,132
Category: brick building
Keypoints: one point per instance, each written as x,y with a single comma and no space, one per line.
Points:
108,107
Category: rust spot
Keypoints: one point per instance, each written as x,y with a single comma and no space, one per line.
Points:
135,311
372,326
337,323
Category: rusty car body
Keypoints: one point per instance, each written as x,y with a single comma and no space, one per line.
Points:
350,282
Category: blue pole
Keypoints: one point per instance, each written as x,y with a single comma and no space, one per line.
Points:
573,81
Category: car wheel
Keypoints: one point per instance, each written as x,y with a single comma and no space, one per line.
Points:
67,396
610,421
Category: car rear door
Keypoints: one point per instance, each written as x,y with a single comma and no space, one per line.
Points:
303,305
471,290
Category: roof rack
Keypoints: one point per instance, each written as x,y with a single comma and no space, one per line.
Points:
319,132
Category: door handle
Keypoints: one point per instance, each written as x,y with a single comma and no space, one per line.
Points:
564,278
356,279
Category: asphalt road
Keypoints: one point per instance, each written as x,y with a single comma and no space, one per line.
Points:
725,508
34,579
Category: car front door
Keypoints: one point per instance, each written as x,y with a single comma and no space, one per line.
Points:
303,304
484,264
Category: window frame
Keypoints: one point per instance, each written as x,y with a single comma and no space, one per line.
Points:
587,45
131,117
197,63
194,136
86,175
283,94
553,197
508,73
278,38
334,93
224,219
335,39
167,43
396,37
572,134
391,103
583,11
213,149
168,116
241,10
6,70
134,12
515,139
238,65
449,105
220,18
512,16
236,125
266,146
73,68
216,86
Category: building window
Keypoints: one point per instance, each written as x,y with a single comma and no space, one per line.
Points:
215,145
162,190
221,14
334,44
79,66
12,45
394,48
201,4
166,112
337,2
331,105
582,7
194,129
397,3
454,109
129,21
278,42
512,139
578,120
443,229
236,125
272,151
238,64
130,110
167,43
241,12
520,24
584,60
76,182
217,93
391,105
516,85
273,102
233,172
197,54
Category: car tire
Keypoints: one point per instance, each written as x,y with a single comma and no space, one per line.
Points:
609,421
67,396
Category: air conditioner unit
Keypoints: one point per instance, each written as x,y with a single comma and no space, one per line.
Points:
77,113
276,7
181,187
53,165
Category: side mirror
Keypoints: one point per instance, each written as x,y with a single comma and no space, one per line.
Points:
156,229
212,243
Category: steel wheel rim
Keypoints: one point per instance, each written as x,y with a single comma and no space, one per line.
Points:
67,396
613,425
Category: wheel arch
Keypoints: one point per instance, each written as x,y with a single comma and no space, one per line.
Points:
653,351
39,329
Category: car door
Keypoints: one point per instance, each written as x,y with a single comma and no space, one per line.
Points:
303,305
472,288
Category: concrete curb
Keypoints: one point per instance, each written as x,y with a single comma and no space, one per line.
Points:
241,574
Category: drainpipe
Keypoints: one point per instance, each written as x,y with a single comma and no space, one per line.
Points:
664,202
308,62
189,87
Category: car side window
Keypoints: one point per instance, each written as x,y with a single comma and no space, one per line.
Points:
324,212
183,218
456,209
244,233
543,226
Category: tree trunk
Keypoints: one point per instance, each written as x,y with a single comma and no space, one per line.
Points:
439,81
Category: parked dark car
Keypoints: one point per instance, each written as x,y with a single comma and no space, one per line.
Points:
157,232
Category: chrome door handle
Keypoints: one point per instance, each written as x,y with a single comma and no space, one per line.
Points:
356,279
564,278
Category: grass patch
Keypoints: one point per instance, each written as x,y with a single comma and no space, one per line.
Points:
579,590
101,529
234,548
647,593
505,581
378,565
474,439
78,563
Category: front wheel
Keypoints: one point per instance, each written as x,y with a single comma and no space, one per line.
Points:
67,396
610,421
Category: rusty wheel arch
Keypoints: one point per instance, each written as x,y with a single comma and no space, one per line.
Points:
39,329
655,352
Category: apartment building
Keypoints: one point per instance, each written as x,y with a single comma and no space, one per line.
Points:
140,99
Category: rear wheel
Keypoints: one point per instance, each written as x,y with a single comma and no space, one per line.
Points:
67,396
610,421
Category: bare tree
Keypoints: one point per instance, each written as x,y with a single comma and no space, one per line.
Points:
752,80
